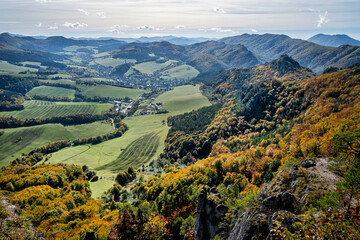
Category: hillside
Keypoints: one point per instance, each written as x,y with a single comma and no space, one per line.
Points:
268,47
333,40
266,172
54,44
203,56
13,54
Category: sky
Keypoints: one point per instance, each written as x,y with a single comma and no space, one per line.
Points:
194,18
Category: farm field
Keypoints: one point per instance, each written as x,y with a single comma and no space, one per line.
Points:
45,109
112,62
146,136
151,67
181,72
97,79
11,68
62,81
53,92
74,48
36,136
110,91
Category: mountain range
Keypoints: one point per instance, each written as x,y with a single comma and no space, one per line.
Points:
334,40
239,51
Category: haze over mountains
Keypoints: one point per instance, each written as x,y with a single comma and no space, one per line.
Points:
334,40
239,51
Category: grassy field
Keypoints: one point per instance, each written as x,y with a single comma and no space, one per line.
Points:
63,81
11,68
183,99
45,109
112,62
97,79
151,67
74,48
53,92
110,91
99,55
143,142
181,72
33,137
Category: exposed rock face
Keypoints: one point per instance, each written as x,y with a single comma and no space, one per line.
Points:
284,197
282,201
307,163
250,227
285,218
208,216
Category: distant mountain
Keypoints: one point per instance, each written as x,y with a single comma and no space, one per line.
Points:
19,35
204,56
56,43
171,39
13,54
268,47
334,40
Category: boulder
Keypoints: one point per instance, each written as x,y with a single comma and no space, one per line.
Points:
307,163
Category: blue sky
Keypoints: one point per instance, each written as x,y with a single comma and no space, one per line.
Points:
195,18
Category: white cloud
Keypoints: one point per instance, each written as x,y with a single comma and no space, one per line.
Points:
83,11
120,26
180,26
254,30
219,10
220,30
42,1
115,31
322,19
101,14
53,27
149,27
39,25
76,25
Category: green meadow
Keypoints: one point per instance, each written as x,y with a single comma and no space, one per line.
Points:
181,72
53,92
11,68
142,143
110,91
16,141
46,109
151,67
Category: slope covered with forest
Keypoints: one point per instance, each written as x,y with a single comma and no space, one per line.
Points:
279,145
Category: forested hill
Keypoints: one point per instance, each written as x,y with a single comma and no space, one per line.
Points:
268,47
54,44
313,119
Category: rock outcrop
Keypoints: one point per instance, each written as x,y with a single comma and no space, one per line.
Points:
208,216
287,195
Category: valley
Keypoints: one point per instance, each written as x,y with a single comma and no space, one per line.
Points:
244,137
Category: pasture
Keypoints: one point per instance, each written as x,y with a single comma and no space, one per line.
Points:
45,109
96,79
112,62
151,67
53,92
183,72
142,143
16,141
110,91
11,68
62,81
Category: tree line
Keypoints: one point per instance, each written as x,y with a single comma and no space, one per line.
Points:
11,122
